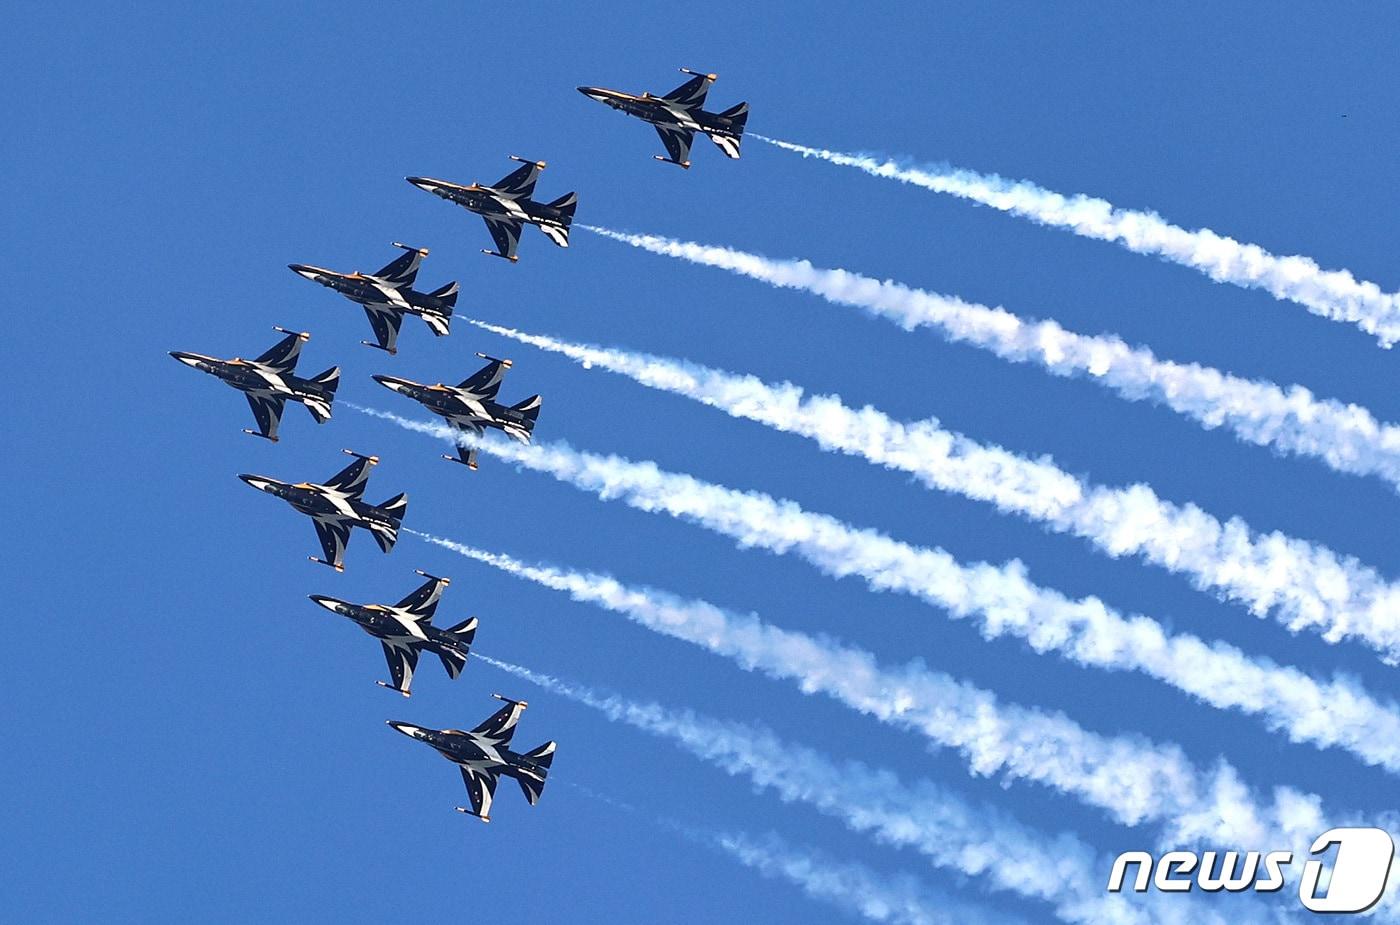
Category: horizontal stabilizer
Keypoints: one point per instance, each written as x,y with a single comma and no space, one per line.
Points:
452,662
386,537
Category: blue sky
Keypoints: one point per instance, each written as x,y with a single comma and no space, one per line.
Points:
188,736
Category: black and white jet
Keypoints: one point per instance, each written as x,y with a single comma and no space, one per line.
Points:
471,406
484,755
389,295
269,382
678,115
406,630
339,505
507,206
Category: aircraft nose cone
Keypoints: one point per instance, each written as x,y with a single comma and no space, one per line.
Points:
421,182
189,359
329,603
593,93
257,481
301,269
389,382
407,729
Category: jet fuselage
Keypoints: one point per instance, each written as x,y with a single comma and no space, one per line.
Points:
473,751
391,624
315,500
483,200
657,111
370,290
248,376
462,406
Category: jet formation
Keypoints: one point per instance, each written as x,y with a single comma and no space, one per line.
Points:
269,382
678,115
339,505
406,630
389,295
471,406
507,206
483,755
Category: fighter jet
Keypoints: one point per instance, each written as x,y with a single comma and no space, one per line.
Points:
268,383
406,629
678,115
471,406
507,206
338,505
389,295
483,755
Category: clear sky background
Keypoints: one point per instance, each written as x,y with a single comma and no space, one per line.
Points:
187,737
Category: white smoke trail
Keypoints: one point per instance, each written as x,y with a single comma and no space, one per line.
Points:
979,841
1133,780
901,900
1333,294
1346,437
1304,585
1000,598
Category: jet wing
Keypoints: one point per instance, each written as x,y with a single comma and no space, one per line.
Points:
485,382
402,662
677,141
282,356
500,728
334,535
352,478
385,322
402,270
267,410
466,455
506,233
690,94
423,602
520,183
481,788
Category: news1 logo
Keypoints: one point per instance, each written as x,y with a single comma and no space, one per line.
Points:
1356,881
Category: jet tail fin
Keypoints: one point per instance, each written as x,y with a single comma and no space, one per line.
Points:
455,659
738,117
566,203
395,507
541,757
439,320
320,406
448,294
328,380
466,629
529,408
559,234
